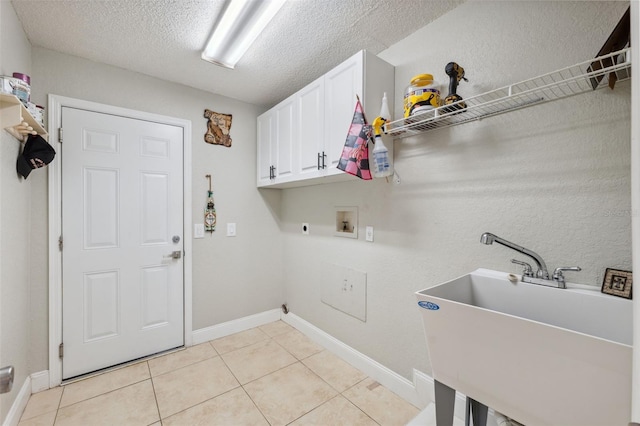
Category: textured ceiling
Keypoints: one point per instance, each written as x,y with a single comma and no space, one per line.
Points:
164,38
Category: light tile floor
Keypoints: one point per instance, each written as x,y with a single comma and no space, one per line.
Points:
269,375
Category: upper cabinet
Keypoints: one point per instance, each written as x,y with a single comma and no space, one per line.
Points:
300,140
276,133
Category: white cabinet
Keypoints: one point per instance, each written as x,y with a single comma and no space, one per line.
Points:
265,136
306,149
311,130
342,84
276,133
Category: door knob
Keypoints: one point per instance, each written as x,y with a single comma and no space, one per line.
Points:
175,254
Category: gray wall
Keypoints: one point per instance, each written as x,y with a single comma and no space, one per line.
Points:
554,178
232,277
16,203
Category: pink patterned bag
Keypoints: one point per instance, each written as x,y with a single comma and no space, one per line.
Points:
355,154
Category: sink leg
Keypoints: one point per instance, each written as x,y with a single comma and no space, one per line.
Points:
479,412
445,402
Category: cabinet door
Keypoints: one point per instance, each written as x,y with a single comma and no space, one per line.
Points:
341,86
265,137
285,133
311,124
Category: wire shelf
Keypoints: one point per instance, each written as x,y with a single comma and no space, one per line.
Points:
603,71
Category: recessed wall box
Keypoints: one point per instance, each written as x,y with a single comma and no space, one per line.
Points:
346,222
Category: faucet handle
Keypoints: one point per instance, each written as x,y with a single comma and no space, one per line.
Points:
528,272
559,277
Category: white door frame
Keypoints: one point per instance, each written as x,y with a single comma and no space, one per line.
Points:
55,105
635,205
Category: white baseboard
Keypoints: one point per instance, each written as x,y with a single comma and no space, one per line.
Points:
40,381
19,404
418,393
226,328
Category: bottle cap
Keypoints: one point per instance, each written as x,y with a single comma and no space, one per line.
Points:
22,77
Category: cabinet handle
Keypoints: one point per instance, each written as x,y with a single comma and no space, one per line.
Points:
324,156
318,161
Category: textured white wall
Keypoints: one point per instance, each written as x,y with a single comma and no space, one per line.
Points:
553,178
15,219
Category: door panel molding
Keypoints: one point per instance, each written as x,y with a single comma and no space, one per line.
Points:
55,105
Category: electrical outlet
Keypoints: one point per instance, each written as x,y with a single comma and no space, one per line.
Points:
396,178
305,228
198,230
369,233
231,229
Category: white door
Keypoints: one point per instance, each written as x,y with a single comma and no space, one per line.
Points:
122,218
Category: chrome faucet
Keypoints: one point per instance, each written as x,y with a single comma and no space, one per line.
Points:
541,276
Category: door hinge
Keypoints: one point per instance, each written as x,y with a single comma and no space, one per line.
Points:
60,134
60,244
61,350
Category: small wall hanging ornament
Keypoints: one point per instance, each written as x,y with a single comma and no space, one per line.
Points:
210,211
218,128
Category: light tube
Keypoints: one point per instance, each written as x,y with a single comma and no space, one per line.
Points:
239,26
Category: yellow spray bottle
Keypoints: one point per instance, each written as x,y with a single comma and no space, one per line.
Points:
382,166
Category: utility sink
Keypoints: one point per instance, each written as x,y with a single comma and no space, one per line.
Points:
539,355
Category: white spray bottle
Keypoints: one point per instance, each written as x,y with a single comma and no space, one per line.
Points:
382,164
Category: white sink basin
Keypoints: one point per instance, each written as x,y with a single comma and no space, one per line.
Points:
540,355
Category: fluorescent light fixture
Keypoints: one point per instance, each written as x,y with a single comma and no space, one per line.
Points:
241,23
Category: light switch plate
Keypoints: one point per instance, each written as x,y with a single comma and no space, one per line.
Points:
231,229
369,233
198,230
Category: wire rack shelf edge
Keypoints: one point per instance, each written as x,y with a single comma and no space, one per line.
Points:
583,77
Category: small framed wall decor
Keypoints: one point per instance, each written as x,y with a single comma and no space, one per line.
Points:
618,283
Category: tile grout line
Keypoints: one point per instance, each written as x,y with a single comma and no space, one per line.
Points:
103,393
155,396
55,418
353,403
338,393
219,355
297,361
201,402
242,386
255,405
